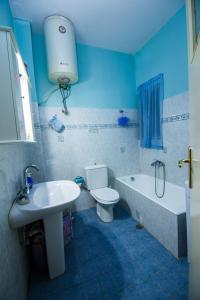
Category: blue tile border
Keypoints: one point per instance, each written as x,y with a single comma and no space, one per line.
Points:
88,126
175,118
96,127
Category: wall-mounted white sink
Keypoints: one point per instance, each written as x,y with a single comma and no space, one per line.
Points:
47,202
45,198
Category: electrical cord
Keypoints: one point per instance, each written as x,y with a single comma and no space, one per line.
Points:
65,91
48,96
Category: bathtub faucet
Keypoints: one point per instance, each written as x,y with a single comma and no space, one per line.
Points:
157,163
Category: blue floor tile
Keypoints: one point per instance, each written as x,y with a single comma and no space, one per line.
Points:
114,261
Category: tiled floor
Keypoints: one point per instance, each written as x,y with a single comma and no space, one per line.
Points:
114,261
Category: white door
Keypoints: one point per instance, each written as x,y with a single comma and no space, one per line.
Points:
193,20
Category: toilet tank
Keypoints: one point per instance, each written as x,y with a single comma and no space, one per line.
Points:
96,177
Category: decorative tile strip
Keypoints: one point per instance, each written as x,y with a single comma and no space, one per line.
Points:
175,118
92,127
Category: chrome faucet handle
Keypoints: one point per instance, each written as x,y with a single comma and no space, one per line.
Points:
31,167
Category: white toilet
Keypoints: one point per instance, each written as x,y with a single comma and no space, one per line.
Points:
97,184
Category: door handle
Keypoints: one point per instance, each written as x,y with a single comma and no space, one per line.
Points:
189,162
182,162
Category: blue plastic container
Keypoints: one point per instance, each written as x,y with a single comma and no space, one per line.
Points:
122,121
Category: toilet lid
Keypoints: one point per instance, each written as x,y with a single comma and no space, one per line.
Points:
105,195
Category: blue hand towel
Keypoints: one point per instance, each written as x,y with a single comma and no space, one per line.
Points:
56,124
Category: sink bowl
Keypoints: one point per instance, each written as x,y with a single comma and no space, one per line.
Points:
47,202
51,196
45,198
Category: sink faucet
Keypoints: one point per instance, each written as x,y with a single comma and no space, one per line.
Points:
22,196
26,174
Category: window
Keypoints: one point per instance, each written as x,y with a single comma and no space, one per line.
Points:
150,97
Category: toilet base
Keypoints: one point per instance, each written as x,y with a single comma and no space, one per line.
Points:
105,212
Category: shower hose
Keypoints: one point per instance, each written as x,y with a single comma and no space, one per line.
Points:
159,164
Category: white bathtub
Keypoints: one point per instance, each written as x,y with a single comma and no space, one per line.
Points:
174,197
165,218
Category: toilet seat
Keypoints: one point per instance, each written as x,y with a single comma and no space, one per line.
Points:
105,195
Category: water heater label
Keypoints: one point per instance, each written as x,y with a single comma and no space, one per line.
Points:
62,29
64,63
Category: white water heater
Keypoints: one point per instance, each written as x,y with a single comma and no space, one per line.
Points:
60,50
